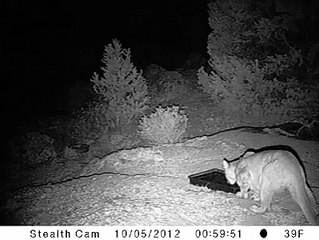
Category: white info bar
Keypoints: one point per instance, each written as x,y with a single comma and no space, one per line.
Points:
159,232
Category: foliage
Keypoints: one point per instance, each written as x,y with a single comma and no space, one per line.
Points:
281,65
240,88
251,29
165,125
32,148
121,85
90,122
312,59
247,28
254,63
164,84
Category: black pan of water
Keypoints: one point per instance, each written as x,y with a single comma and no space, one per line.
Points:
214,179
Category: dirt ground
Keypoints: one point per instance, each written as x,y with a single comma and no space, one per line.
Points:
150,185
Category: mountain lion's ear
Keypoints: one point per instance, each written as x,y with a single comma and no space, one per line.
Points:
225,163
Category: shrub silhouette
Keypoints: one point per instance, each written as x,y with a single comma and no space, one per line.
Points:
240,88
165,125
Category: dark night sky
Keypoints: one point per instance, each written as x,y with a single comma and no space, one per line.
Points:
49,45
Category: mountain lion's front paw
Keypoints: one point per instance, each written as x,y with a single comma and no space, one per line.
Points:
255,196
242,195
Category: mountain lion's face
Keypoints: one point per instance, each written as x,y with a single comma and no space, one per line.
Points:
229,172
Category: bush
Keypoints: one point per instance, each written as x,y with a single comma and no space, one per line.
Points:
121,85
32,148
256,30
89,122
253,62
283,66
165,125
164,85
240,88
251,29
231,83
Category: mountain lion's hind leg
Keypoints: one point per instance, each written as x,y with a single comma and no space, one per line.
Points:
266,194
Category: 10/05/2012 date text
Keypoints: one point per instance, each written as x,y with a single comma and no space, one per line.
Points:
147,233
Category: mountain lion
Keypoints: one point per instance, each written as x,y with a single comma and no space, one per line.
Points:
266,172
